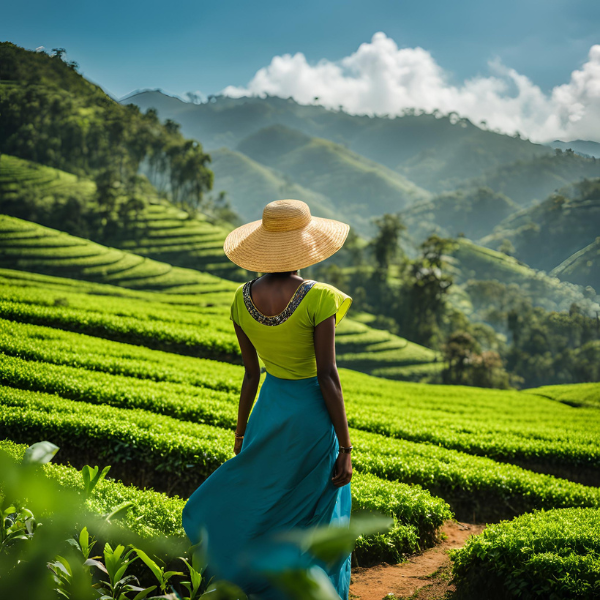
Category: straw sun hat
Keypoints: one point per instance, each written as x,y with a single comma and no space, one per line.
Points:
287,238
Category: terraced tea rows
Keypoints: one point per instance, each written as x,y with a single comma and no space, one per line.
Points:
159,231
31,247
417,515
169,455
16,173
580,394
154,321
471,420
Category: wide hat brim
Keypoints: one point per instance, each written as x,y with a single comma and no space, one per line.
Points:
254,248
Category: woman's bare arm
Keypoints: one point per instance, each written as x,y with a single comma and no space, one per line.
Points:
331,388
249,383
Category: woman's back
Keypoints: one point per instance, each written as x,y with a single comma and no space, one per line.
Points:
284,340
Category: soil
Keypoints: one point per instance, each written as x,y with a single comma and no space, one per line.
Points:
428,573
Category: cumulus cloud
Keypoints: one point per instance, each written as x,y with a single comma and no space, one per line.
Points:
380,78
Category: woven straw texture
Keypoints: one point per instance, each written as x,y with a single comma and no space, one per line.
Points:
287,238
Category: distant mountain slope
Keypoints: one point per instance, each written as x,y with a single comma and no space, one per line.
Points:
549,233
434,151
250,185
527,180
358,188
472,262
159,230
473,212
583,147
583,267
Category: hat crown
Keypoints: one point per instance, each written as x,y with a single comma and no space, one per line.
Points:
286,215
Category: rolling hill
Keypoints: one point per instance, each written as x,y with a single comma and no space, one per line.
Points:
250,185
473,212
472,263
353,183
525,181
549,233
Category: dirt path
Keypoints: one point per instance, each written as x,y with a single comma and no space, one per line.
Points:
403,580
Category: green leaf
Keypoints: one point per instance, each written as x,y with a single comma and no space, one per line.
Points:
144,593
39,453
156,570
119,512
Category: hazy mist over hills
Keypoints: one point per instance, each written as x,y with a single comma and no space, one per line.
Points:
362,166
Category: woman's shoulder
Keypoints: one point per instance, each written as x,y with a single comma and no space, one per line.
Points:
329,290
329,300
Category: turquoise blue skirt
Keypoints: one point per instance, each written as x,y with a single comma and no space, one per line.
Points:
280,480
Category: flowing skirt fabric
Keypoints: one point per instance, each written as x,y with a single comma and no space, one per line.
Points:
280,480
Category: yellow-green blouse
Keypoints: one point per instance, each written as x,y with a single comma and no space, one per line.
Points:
285,342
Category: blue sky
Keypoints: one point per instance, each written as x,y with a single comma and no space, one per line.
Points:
186,45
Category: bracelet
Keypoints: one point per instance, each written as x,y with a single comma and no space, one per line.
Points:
346,449
238,436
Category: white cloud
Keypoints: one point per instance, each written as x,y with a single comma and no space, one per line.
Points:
380,78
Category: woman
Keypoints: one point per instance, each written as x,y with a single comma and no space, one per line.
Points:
292,465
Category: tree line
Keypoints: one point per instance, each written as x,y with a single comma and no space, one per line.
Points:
519,345
51,115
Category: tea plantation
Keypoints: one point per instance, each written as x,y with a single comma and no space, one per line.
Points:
34,249
144,373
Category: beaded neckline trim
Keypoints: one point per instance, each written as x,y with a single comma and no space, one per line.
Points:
287,312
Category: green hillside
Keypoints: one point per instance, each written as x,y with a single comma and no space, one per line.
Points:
357,187
250,185
549,233
525,181
583,394
156,230
473,213
473,262
583,267
52,115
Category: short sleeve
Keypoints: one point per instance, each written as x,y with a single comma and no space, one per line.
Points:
233,314
331,302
